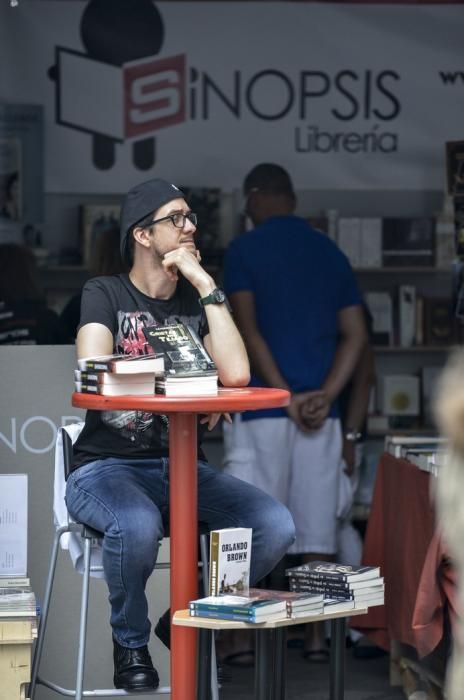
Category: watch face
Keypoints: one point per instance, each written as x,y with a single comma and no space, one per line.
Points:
219,296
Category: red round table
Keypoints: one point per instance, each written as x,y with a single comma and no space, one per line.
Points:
183,413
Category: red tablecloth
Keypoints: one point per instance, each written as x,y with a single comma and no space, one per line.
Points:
401,538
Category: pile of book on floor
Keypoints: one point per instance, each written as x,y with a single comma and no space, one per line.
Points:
117,375
16,597
257,606
342,586
188,368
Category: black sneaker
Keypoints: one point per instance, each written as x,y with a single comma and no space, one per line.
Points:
133,668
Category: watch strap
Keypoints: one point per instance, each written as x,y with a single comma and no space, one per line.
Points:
217,296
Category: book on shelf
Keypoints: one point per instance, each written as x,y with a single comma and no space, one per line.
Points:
407,314
440,327
445,244
380,306
122,364
408,242
188,368
419,319
371,242
230,558
400,395
349,239
326,570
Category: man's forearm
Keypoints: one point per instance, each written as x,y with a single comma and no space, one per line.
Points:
363,380
346,356
262,362
226,347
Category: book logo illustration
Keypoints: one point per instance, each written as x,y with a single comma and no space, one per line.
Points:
119,90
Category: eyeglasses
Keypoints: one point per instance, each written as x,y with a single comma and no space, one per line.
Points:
178,219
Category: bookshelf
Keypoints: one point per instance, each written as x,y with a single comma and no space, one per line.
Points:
424,349
422,270
422,360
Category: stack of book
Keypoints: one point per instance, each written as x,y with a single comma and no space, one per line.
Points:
117,375
16,597
249,608
259,605
188,368
298,604
342,586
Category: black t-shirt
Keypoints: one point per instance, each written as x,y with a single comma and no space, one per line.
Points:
121,307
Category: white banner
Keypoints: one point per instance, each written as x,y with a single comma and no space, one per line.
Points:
344,96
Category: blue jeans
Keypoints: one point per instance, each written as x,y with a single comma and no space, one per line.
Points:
128,501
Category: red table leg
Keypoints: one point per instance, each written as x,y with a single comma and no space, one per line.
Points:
184,549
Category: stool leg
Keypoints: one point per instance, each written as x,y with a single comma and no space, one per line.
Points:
211,667
337,659
263,671
280,662
204,665
44,613
83,620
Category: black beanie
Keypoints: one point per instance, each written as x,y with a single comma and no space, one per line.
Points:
141,201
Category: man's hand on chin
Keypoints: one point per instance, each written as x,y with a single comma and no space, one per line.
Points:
187,262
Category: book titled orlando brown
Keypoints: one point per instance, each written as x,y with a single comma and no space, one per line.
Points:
230,557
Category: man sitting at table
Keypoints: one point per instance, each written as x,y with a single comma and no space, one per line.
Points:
120,481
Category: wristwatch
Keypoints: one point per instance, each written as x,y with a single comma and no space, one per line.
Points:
217,296
352,435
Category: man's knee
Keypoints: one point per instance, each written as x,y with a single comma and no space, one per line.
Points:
279,527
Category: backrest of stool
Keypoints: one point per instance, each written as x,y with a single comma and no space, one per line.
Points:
87,531
67,452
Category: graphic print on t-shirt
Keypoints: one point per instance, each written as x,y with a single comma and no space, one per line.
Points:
140,427
130,339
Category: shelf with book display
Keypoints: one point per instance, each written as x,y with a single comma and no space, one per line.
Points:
400,270
418,430
380,349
